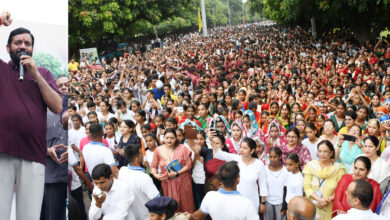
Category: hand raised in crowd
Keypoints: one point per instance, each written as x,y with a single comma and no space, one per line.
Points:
6,18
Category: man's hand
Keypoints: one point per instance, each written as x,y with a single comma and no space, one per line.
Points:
6,18
30,65
51,152
100,200
63,157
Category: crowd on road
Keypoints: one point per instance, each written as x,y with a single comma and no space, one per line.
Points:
300,116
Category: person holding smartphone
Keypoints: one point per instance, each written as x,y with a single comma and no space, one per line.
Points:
349,147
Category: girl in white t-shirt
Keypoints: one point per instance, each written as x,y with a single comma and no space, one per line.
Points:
77,132
276,175
106,112
198,173
151,145
109,135
312,140
294,177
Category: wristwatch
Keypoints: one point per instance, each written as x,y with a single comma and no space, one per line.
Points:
263,203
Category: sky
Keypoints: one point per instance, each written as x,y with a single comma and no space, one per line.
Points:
46,19
42,11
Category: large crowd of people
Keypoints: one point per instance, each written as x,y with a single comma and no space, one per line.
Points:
239,123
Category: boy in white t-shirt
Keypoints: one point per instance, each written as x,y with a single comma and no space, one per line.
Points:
95,152
226,203
140,182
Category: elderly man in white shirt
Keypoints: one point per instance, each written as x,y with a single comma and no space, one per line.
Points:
112,198
359,196
139,182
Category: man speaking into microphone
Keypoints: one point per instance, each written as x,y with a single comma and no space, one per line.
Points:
23,106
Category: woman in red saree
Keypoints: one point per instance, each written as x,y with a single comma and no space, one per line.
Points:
361,168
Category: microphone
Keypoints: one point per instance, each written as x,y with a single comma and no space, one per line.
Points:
21,68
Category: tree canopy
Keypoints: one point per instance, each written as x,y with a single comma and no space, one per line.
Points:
93,22
367,17
103,23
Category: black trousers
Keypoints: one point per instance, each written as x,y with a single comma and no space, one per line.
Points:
77,194
54,201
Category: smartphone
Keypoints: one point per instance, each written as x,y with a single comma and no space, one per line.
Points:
219,133
349,137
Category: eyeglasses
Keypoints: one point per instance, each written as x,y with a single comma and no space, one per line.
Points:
292,137
323,152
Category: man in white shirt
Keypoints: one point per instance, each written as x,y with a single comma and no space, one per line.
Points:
359,196
95,152
139,182
226,203
112,198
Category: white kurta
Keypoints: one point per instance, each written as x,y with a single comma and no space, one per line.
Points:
380,170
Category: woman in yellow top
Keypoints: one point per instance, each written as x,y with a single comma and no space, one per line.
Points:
320,179
349,120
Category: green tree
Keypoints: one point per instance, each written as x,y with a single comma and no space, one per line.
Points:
364,17
216,13
102,22
51,63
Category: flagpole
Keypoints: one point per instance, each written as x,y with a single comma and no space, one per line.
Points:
204,23
230,23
